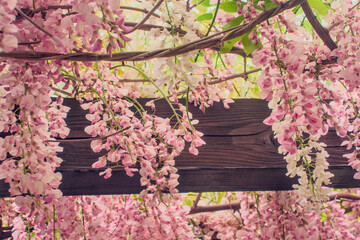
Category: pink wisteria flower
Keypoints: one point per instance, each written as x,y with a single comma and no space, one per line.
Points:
298,79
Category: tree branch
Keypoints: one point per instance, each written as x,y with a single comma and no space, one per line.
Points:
133,80
139,10
33,23
147,27
236,205
68,7
348,196
87,139
195,5
322,32
263,16
231,206
215,40
235,50
30,13
354,6
196,201
62,92
53,7
148,15
239,75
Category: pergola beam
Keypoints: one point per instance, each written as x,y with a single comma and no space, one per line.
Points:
240,155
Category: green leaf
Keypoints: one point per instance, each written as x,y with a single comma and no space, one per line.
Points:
329,82
205,16
323,217
248,45
255,91
234,22
228,45
228,7
297,10
220,196
205,3
307,26
321,8
187,201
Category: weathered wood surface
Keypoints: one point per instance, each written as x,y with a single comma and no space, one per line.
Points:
240,155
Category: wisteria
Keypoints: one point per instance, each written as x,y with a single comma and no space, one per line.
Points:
108,54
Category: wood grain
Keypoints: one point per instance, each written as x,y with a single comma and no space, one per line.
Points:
243,118
240,155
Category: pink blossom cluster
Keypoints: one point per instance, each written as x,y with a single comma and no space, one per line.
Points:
73,25
7,39
206,93
205,96
347,73
297,80
280,215
134,139
143,142
100,217
266,215
28,156
28,153
297,83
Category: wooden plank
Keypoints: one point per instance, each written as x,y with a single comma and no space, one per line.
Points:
244,117
192,180
249,151
239,149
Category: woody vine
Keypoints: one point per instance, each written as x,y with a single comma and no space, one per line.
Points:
301,56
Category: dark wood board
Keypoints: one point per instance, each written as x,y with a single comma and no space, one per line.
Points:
240,155
244,117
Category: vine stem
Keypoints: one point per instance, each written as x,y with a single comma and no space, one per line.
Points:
319,29
88,139
231,206
236,205
239,75
33,23
191,7
148,15
138,10
348,196
211,25
214,40
157,87
357,4
198,196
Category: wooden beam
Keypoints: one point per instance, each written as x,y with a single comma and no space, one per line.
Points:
240,155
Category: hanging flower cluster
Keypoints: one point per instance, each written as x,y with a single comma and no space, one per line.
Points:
101,217
270,215
297,82
7,27
310,88
278,215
